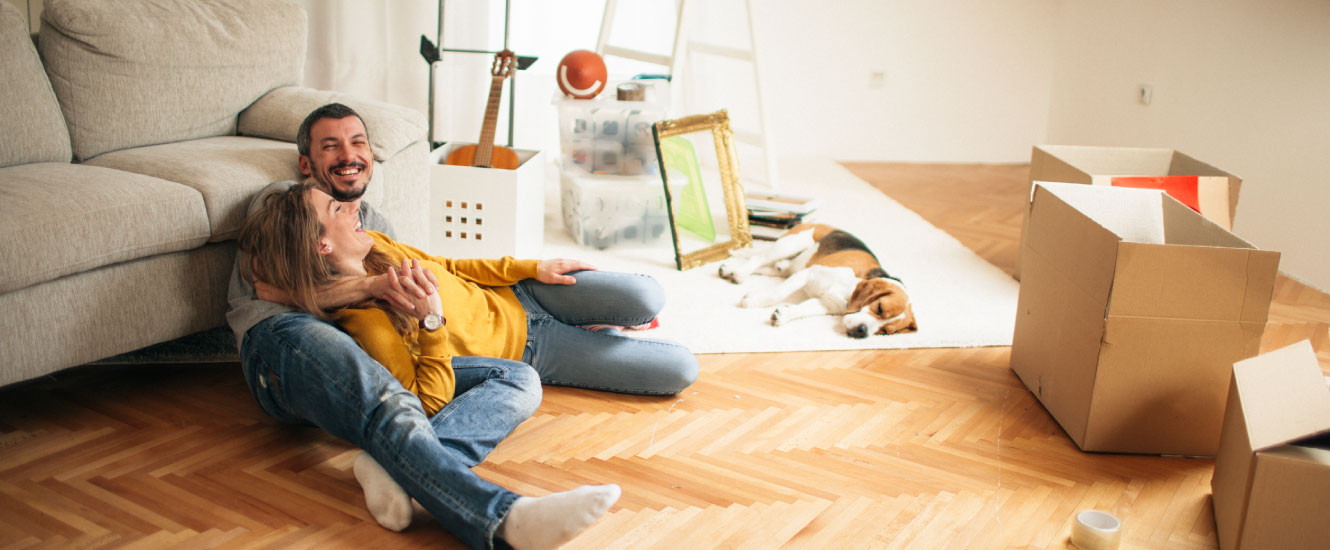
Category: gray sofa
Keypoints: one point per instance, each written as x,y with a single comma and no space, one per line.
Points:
129,149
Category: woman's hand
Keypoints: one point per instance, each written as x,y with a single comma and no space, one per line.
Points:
552,271
386,287
421,289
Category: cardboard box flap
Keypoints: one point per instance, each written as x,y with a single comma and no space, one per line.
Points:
1085,249
1120,161
1182,225
1045,162
1230,482
1181,163
1282,395
1133,215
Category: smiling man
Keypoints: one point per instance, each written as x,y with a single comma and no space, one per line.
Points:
342,160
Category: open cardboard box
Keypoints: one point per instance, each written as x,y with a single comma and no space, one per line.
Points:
1131,314
1210,191
1216,190
1272,475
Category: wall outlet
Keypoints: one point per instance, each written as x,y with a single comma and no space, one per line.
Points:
877,79
1145,94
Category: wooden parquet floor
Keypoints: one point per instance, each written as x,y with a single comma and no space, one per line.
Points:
918,449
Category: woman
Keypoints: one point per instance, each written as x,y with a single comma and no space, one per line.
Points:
521,310
493,311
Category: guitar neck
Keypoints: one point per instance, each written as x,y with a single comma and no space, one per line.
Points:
485,145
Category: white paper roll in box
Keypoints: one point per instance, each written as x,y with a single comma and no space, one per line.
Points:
1095,530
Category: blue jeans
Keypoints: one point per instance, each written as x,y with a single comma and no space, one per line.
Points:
305,370
566,355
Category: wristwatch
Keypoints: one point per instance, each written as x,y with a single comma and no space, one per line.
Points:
432,322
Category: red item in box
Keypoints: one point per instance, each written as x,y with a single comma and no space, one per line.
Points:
1183,188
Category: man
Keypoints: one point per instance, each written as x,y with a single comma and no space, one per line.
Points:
304,370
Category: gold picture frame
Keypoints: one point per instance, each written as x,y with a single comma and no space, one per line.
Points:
698,187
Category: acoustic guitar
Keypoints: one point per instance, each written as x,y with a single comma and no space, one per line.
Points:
484,153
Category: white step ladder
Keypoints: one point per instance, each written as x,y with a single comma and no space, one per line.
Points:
679,62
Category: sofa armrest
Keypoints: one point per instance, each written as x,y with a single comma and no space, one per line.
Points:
278,114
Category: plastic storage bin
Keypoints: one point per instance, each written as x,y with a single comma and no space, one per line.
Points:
605,211
605,136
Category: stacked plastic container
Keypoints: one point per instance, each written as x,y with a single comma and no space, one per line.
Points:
611,191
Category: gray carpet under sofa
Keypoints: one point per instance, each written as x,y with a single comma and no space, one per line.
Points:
132,137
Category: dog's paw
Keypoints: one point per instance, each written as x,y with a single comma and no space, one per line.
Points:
750,300
780,315
730,273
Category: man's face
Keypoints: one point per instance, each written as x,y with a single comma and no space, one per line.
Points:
340,158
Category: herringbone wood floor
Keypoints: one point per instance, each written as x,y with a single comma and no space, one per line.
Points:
882,449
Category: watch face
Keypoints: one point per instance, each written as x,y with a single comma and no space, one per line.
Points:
433,321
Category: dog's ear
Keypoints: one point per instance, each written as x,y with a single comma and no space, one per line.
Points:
905,324
866,291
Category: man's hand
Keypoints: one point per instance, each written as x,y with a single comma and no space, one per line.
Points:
265,291
552,271
388,287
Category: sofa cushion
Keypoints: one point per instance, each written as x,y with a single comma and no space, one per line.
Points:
130,73
61,218
30,119
226,170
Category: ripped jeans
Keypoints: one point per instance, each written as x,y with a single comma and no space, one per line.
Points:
304,370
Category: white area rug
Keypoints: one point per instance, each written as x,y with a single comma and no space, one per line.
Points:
960,300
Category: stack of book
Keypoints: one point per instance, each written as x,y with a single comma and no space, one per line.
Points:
770,213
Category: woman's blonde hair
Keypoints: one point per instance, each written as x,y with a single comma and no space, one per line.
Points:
282,240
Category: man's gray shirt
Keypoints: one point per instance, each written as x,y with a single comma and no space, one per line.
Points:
246,310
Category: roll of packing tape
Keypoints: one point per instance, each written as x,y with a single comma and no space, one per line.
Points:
1095,530
631,91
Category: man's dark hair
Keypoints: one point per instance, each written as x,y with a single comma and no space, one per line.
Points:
331,110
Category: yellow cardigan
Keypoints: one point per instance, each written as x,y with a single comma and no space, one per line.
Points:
483,318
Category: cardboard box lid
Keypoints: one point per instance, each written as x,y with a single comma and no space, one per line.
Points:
1282,396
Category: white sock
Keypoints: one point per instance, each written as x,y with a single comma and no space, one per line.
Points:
386,500
546,523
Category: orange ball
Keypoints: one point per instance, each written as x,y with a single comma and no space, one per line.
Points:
581,74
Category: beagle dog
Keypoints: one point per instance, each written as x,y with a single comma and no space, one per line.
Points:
827,272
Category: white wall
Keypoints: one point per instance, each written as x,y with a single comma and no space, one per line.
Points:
1238,83
1242,85
964,80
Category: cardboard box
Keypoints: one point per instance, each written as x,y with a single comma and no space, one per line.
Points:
1212,192
605,211
487,212
1272,474
1132,311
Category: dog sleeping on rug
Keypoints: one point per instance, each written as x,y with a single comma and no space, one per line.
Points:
833,273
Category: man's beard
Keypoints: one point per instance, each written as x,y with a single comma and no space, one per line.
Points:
338,193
